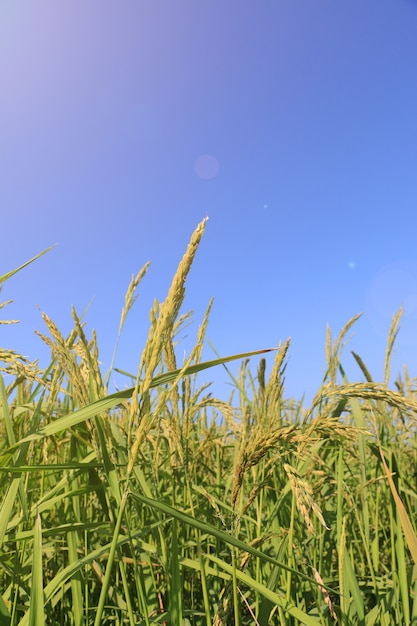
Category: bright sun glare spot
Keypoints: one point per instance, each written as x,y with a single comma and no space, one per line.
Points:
352,265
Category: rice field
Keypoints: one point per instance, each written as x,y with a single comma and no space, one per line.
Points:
161,504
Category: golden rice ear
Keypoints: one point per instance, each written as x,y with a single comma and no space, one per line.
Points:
392,336
2,305
163,318
362,366
167,312
304,500
130,299
333,352
202,332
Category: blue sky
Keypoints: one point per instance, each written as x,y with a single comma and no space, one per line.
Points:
291,124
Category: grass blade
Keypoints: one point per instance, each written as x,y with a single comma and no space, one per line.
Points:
175,588
406,525
36,610
110,401
215,532
110,562
21,267
277,600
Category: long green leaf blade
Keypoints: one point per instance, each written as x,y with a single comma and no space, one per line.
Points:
21,267
36,610
110,401
275,598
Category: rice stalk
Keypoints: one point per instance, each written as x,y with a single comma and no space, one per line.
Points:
257,511
333,351
130,298
304,500
392,336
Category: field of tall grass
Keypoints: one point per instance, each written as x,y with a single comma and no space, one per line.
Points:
161,504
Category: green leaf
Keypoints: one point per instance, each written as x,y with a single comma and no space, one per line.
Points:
215,532
21,267
110,401
36,610
276,599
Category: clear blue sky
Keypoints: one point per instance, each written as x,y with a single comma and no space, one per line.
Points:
291,124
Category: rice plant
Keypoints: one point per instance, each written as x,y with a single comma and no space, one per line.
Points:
162,504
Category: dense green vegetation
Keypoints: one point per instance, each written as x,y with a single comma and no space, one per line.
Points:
161,504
